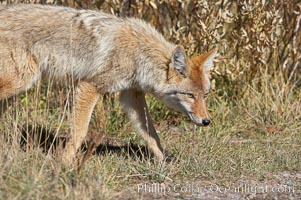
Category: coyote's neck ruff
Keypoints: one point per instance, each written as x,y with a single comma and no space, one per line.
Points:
101,53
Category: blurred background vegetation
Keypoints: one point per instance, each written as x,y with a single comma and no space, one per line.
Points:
253,37
259,45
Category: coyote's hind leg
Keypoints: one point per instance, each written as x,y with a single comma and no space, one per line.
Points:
16,76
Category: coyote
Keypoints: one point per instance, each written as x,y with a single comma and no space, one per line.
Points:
102,54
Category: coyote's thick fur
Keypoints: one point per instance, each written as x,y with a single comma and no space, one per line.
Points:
101,53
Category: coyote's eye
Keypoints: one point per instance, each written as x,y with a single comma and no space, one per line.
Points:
206,94
190,95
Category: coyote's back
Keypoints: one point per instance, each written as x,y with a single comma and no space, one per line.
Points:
61,40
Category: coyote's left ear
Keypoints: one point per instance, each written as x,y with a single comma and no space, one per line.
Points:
178,60
205,60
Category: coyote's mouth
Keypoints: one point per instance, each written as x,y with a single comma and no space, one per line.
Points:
194,119
199,121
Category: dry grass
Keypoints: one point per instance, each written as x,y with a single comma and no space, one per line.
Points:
255,106
252,137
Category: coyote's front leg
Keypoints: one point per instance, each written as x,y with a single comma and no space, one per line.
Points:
135,106
85,99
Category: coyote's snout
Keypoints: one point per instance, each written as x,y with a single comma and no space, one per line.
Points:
101,53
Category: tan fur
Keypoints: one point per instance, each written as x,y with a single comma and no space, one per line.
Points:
100,53
85,99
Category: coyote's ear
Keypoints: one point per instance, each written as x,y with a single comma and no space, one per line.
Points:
209,60
178,60
205,60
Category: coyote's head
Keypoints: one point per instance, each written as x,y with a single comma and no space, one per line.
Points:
188,85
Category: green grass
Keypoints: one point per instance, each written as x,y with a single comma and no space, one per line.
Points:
254,133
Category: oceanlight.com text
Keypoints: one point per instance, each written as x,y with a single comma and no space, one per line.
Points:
195,188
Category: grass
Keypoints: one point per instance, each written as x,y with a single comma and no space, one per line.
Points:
255,133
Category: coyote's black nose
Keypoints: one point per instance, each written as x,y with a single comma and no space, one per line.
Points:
206,122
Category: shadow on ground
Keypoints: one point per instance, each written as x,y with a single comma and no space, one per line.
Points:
49,140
